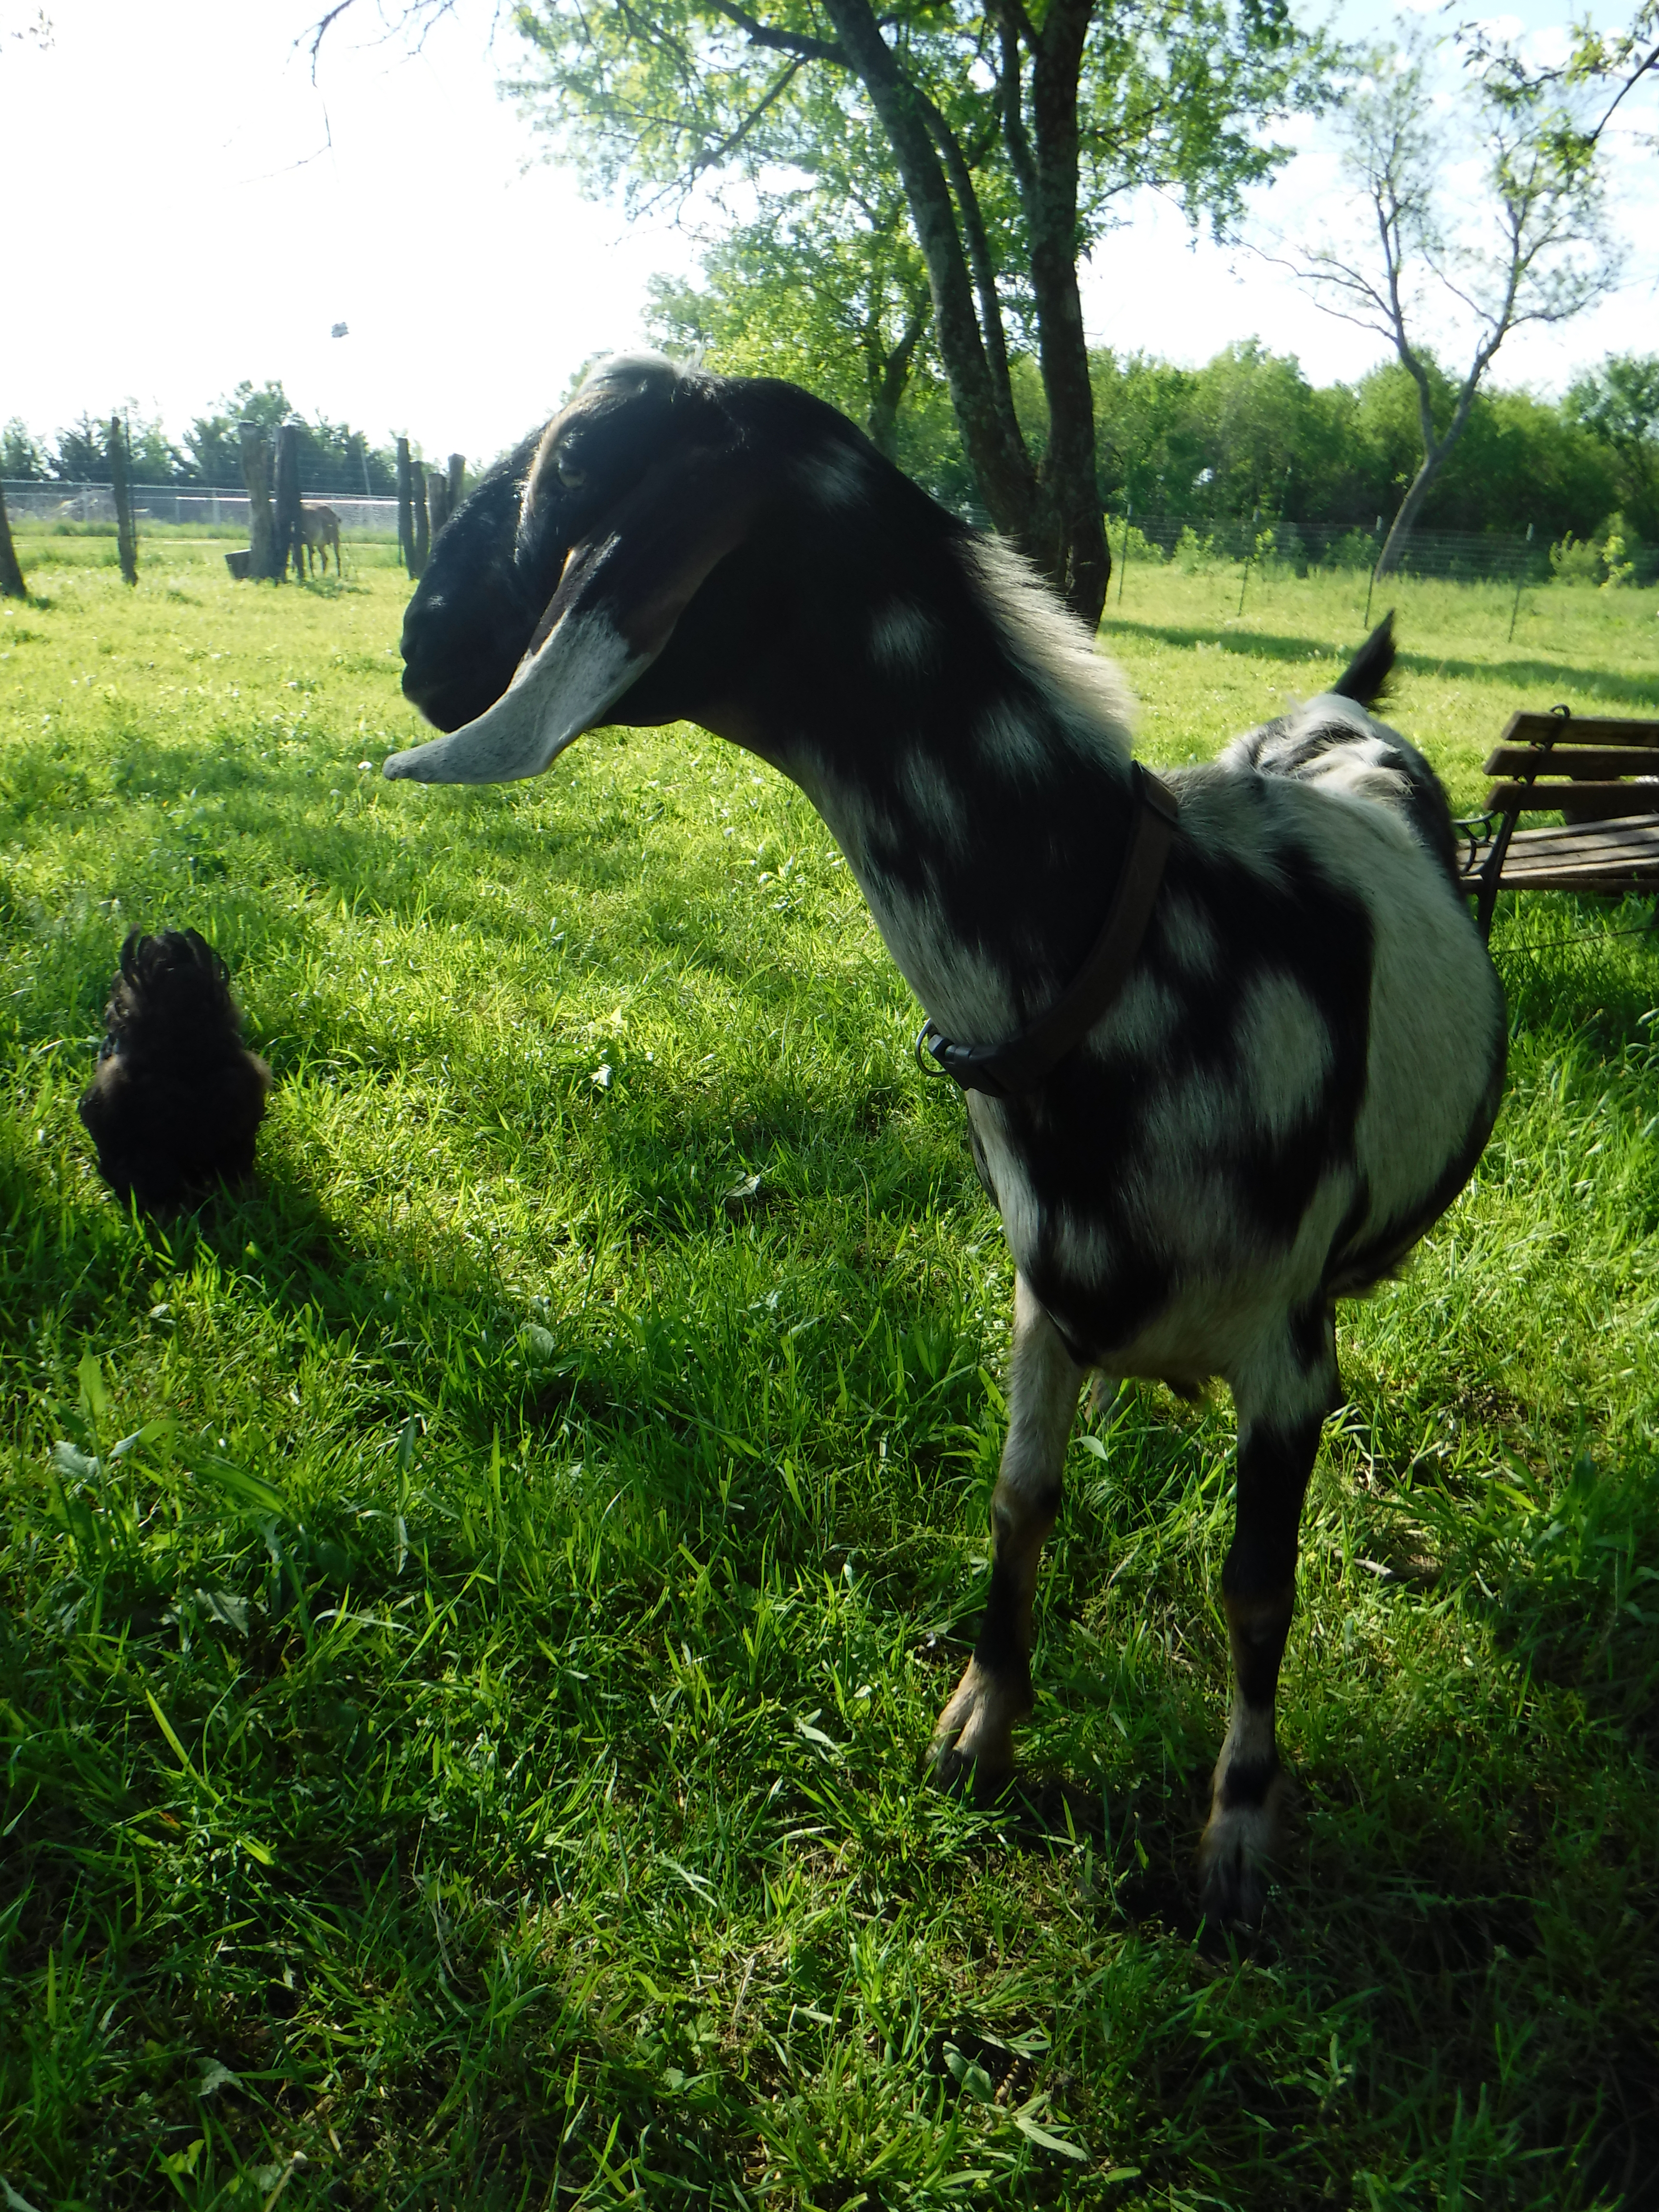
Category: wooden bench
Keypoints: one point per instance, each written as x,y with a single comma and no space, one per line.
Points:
1601,776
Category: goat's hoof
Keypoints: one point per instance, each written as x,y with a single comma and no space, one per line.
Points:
973,1746
962,1774
1236,1860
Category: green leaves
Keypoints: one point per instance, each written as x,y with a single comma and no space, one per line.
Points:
1045,2139
94,1399
250,1491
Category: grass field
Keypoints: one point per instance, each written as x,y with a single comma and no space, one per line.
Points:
473,1607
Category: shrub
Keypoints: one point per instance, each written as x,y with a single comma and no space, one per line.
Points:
1354,548
1287,549
1615,555
1576,561
1197,555
1139,548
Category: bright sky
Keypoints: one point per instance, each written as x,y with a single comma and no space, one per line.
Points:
185,208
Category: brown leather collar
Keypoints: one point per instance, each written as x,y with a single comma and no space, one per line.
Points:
1016,1069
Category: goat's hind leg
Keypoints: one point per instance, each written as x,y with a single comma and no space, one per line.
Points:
974,1735
1282,1402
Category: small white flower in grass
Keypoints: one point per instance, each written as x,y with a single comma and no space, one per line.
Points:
600,1078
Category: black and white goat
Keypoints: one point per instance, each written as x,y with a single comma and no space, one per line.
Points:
1304,1058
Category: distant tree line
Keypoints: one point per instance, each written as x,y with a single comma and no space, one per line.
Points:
1246,430
333,457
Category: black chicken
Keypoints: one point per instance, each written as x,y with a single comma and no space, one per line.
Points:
177,1100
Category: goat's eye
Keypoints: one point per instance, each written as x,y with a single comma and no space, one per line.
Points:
569,474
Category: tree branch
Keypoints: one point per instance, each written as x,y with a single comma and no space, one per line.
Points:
979,258
1011,97
711,156
798,43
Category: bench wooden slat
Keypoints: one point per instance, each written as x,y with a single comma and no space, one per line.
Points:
1588,802
1579,730
1610,883
1541,872
1594,842
1591,842
1613,856
1585,760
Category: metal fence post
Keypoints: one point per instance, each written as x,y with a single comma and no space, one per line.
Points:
1249,551
1520,578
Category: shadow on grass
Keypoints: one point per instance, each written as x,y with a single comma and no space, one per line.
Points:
1571,963
1637,691
332,588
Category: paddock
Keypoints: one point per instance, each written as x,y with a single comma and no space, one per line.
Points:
476,1737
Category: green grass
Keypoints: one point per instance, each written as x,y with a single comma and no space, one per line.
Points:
473,1608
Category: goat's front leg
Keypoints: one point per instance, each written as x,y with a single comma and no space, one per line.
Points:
976,1730
1282,1407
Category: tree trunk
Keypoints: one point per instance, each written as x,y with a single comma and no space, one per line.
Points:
1001,465
1072,548
126,545
1055,520
12,585
437,500
288,539
1435,451
422,522
888,378
405,508
457,480
256,474
1400,530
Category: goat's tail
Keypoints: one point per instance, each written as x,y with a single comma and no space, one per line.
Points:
1365,678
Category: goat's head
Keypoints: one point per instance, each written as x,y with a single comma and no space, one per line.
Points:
554,597
560,580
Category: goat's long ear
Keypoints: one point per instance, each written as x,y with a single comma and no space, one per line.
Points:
623,588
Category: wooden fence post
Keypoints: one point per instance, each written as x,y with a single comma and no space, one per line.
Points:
437,500
255,475
405,508
456,479
287,544
126,545
12,585
422,522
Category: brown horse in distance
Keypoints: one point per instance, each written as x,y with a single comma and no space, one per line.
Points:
320,525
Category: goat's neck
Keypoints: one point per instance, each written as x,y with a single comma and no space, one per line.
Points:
987,840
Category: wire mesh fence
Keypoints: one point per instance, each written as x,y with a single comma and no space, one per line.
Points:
1200,542
1195,543
203,507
